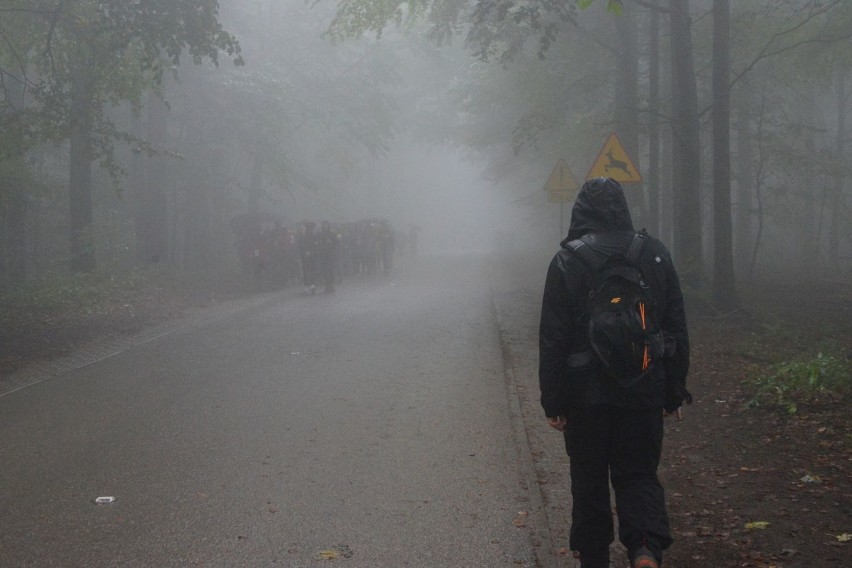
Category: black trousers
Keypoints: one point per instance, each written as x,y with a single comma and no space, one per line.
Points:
622,445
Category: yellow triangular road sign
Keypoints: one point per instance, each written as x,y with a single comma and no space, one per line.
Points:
561,180
613,162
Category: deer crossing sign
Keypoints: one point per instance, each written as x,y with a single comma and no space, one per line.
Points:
613,162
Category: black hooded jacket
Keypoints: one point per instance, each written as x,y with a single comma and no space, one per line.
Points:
569,374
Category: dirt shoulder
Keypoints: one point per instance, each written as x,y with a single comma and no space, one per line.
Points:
57,324
759,486
745,486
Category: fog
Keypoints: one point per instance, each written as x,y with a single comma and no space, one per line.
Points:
181,335
434,188
342,112
421,173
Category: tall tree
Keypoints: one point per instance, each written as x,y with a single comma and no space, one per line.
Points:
626,98
92,53
152,231
15,178
686,150
81,133
653,182
724,287
838,203
744,175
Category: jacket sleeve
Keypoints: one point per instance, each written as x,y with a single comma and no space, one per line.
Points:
557,333
673,324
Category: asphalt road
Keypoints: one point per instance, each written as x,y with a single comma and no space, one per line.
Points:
369,427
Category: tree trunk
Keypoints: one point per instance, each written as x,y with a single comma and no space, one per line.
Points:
653,180
724,287
666,191
811,181
152,221
666,157
627,103
14,197
15,222
136,182
760,174
80,175
745,178
256,182
837,205
686,150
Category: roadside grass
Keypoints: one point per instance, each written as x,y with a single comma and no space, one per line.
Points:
60,295
65,295
49,318
800,350
814,379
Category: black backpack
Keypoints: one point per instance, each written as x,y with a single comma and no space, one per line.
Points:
624,329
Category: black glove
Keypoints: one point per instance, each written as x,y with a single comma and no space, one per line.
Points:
676,395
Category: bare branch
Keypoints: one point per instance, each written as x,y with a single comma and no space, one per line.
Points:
17,57
49,48
768,54
764,53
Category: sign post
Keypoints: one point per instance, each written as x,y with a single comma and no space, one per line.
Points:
561,188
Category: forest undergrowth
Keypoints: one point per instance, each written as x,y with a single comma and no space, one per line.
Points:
759,474
52,319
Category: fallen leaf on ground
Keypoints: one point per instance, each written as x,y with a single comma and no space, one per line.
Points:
335,553
757,525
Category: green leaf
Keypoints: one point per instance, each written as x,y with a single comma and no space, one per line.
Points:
757,525
615,7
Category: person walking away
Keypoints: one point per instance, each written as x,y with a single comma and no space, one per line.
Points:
346,254
326,250
371,247
387,246
613,361
307,254
280,250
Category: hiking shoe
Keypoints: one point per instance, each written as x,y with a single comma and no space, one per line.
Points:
596,560
644,559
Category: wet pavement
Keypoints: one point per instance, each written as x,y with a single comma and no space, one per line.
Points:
374,426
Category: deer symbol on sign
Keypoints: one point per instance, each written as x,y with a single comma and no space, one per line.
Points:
616,164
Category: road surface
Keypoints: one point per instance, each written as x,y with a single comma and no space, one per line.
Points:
369,427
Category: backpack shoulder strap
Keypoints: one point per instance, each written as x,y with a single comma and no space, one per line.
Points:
634,251
584,252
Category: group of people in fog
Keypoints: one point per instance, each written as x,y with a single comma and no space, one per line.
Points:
318,255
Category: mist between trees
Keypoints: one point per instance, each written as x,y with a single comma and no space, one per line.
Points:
133,133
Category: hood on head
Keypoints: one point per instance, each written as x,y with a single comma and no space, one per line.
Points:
600,207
